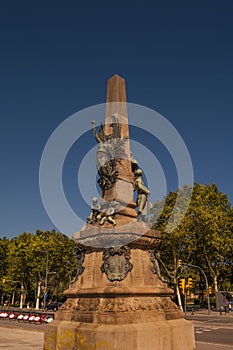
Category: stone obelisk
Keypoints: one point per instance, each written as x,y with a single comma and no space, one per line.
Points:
118,300
117,114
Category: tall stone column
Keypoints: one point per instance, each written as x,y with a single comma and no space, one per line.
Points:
118,300
117,128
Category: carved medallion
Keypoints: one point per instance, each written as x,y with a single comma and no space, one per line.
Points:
116,263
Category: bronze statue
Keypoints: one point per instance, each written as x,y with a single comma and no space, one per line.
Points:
110,151
95,211
109,213
142,192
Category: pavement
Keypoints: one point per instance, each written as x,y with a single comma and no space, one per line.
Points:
213,313
19,339
214,316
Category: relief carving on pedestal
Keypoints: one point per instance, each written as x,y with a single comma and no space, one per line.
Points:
137,304
121,305
116,263
154,257
88,304
80,256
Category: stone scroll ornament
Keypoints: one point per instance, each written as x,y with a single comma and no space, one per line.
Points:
154,257
110,152
80,256
116,263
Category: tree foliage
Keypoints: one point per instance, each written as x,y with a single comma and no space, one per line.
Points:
203,237
26,258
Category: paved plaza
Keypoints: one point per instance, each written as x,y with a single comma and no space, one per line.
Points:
19,339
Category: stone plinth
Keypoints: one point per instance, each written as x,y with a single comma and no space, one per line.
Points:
134,312
161,335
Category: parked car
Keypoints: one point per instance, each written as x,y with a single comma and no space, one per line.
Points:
54,306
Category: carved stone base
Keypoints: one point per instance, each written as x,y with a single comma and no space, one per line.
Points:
119,303
160,335
119,309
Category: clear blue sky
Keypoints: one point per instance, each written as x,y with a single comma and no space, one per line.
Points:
56,57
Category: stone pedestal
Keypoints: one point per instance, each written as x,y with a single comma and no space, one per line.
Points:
118,301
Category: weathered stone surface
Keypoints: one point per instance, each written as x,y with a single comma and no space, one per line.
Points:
116,109
139,298
135,233
160,335
116,104
140,280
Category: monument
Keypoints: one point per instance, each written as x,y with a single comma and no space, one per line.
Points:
118,299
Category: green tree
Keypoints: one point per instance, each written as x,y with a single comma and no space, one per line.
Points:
176,241
204,235
4,245
212,224
4,242
33,258
19,260
61,260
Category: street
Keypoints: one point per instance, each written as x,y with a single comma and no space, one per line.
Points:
218,336
213,332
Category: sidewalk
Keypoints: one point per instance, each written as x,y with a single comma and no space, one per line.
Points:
16,339
204,312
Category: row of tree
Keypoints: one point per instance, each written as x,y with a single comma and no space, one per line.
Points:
31,262
203,237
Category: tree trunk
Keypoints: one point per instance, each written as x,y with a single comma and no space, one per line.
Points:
38,297
21,301
13,298
215,283
22,296
179,298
